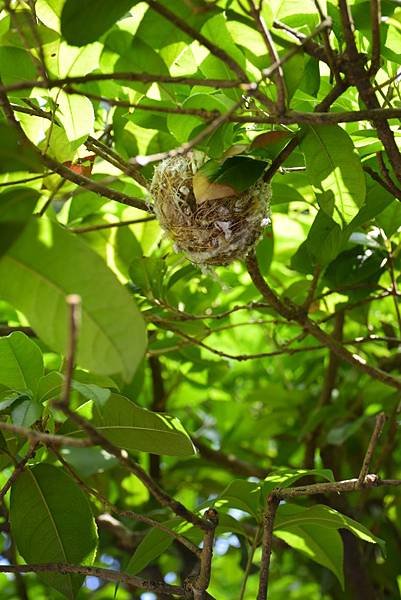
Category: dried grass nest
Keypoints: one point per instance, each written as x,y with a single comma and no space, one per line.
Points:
214,232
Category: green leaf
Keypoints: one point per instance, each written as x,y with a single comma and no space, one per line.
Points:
41,269
49,387
51,521
324,516
235,175
3,444
318,543
21,362
156,541
147,274
216,29
359,265
25,411
16,155
49,11
85,22
313,531
76,115
283,478
132,427
338,435
324,242
153,545
91,391
243,495
16,65
334,170
16,207
88,461
182,127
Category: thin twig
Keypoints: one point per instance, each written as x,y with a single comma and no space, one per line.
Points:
311,47
38,65
336,487
325,24
74,309
100,226
220,53
202,581
380,420
126,76
229,461
187,146
386,175
103,574
331,58
51,197
64,171
127,514
48,439
129,463
392,189
19,467
329,384
293,312
274,57
269,515
249,562
354,68
375,15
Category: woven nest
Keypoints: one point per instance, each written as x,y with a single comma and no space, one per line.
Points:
214,232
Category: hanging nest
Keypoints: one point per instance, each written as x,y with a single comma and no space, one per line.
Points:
214,232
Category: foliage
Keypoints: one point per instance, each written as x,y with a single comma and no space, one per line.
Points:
151,408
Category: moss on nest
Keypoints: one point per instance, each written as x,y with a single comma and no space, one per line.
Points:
214,232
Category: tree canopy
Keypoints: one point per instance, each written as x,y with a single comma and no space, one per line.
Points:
200,328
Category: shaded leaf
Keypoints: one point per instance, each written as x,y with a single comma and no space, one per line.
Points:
147,273
16,207
15,155
85,22
47,530
21,362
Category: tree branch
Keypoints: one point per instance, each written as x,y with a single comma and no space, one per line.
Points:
375,15
48,439
104,574
74,309
19,467
380,420
127,514
101,226
125,459
269,515
201,583
64,171
274,57
354,67
229,461
292,312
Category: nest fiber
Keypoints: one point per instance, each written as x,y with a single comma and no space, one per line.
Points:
214,232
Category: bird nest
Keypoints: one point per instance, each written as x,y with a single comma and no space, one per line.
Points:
213,232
